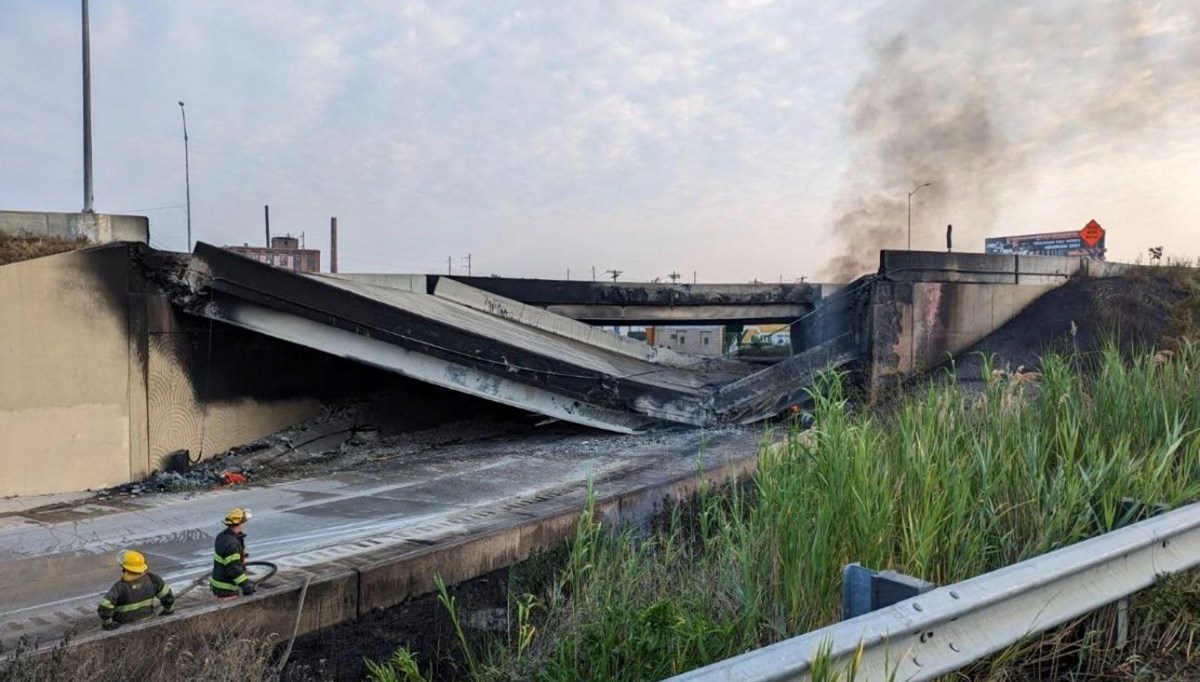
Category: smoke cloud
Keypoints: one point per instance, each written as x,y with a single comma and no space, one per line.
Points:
974,100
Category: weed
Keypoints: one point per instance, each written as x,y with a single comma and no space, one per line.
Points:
21,247
946,485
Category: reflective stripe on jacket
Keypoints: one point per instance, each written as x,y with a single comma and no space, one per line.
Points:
229,563
133,600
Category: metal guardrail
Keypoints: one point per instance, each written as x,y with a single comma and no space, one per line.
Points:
953,626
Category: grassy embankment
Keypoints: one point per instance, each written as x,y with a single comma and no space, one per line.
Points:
946,486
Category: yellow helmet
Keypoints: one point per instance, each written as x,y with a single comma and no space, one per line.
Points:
237,515
132,561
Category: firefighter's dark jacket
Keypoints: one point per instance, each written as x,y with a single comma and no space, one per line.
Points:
129,601
229,564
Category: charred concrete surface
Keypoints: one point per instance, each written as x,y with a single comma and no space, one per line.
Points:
925,308
482,349
103,374
369,536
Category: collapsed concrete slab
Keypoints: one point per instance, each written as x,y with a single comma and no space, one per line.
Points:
486,346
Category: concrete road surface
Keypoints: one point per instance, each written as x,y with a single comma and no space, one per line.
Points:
56,561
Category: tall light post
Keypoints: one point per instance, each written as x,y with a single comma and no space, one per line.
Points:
187,177
918,187
87,110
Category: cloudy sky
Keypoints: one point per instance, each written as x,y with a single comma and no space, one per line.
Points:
738,139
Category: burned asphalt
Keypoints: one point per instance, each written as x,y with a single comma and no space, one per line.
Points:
321,491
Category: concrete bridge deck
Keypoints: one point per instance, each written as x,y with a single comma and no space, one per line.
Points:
637,303
481,344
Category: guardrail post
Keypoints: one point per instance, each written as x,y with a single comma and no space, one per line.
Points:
856,590
865,590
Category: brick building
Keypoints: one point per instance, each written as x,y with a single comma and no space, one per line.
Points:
284,252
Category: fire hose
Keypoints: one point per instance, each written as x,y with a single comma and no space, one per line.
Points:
271,570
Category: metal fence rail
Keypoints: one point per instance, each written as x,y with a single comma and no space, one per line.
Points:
950,627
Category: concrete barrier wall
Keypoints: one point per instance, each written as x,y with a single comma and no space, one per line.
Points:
68,384
987,268
417,284
99,228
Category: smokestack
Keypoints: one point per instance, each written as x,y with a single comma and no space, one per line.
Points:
949,243
333,245
267,223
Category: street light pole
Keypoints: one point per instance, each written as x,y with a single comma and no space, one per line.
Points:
87,111
926,184
187,177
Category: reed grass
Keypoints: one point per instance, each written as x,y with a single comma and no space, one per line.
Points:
947,485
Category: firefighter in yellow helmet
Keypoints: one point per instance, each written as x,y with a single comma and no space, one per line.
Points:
229,558
132,597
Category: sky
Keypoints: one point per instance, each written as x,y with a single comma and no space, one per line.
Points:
730,140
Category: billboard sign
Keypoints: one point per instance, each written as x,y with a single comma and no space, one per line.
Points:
1087,243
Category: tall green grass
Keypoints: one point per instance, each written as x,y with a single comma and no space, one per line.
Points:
947,485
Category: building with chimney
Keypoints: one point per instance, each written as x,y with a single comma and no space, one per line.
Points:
284,252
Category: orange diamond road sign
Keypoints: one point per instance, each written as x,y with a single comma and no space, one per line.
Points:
1092,233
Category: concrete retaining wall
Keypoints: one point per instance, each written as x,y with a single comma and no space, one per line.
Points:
72,410
918,326
101,376
926,307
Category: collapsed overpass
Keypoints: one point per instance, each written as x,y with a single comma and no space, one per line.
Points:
118,355
455,336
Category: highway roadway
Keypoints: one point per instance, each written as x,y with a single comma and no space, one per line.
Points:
56,561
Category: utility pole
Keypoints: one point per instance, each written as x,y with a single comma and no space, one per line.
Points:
614,274
187,178
87,112
568,274
467,260
925,184
593,273
693,276
674,277
333,245
267,224
449,265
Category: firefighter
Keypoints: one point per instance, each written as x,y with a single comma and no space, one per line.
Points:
229,558
132,597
